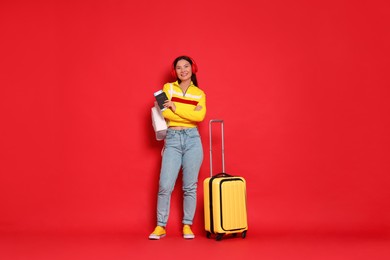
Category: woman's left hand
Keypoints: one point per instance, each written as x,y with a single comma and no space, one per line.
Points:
198,108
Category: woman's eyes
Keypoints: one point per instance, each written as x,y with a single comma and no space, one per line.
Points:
184,67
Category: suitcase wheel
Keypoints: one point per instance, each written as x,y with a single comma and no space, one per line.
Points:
219,237
243,234
208,234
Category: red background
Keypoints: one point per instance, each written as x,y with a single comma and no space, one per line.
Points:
302,86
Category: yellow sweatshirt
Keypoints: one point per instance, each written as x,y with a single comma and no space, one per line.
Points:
185,114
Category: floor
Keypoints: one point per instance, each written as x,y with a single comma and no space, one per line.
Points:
114,246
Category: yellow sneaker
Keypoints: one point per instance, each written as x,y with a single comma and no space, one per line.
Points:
159,232
187,232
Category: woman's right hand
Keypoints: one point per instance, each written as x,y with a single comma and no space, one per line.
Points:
170,104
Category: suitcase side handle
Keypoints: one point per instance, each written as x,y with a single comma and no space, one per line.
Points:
223,144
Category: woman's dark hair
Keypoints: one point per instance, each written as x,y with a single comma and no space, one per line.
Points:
191,61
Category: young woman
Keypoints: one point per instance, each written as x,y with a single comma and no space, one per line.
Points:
183,150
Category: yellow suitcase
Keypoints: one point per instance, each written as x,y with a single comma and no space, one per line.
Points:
225,209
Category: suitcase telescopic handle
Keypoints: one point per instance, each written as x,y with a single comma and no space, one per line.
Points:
211,146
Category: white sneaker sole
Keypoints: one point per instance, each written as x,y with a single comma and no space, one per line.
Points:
189,236
155,237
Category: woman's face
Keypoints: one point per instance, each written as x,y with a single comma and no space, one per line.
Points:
183,70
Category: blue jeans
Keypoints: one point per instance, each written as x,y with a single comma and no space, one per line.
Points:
183,149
